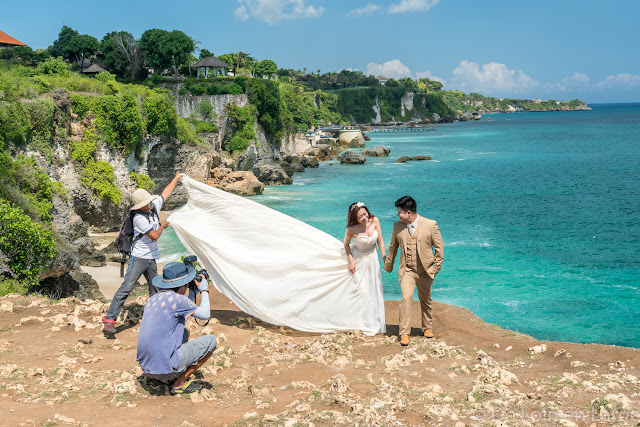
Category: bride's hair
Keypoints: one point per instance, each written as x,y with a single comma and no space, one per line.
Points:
352,216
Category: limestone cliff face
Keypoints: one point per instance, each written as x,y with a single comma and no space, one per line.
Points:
261,157
376,109
406,103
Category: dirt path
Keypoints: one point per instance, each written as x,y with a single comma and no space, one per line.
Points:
57,368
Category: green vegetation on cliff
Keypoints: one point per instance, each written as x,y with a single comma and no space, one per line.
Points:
242,119
467,103
357,104
26,237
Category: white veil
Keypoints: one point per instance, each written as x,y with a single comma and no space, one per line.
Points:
270,265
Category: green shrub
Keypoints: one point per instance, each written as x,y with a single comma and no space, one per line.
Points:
214,90
234,89
106,76
27,245
198,90
82,151
243,119
41,118
53,66
203,127
142,181
185,132
99,176
26,186
265,95
160,114
118,118
15,125
182,91
12,286
205,110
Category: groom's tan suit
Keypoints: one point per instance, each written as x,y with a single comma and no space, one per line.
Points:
420,260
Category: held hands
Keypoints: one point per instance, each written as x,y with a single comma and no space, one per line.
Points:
389,268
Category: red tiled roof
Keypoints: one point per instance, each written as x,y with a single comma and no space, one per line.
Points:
5,38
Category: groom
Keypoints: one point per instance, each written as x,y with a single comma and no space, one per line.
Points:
418,263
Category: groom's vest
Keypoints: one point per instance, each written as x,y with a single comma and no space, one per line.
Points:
411,257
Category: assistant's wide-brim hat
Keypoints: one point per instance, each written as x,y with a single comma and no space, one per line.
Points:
174,275
141,197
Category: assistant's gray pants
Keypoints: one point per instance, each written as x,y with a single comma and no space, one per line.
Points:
137,268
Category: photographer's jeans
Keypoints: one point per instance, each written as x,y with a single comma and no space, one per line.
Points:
137,267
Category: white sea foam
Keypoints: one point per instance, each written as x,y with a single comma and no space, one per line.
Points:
176,256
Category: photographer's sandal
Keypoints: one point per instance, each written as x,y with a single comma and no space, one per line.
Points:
109,325
187,387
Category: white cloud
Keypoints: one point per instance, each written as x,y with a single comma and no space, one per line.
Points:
405,6
367,10
274,11
621,81
393,69
576,78
427,75
492,79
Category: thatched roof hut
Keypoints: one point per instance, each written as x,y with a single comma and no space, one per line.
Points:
211,63
94,69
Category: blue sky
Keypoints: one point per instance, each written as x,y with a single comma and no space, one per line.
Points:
561,49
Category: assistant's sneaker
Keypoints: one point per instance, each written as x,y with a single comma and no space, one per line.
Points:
109,325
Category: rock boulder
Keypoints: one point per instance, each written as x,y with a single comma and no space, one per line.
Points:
377,151
271,174
243,183
352,158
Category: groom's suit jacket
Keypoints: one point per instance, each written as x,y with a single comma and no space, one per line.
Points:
428,237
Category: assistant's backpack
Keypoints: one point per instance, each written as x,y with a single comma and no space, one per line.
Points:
126,239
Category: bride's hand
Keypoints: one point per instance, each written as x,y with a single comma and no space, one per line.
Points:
352,267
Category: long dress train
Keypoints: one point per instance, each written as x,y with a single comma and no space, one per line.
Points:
279,269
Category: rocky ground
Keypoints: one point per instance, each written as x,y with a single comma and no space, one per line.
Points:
57,368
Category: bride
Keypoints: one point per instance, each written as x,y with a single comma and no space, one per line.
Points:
279,269
364,229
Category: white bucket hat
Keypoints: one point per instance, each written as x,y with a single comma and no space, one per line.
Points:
140,198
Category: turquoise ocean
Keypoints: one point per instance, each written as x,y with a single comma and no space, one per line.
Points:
539,212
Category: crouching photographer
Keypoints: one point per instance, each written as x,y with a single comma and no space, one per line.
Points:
164,350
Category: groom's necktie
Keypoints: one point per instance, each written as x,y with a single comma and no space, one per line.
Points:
411,229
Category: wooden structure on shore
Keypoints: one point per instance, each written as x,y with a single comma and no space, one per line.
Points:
380,128
402,128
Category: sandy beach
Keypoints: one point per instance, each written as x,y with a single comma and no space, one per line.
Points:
58,368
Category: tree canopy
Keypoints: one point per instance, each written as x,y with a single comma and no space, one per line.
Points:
266,67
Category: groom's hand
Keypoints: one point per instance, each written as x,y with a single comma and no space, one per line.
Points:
388,268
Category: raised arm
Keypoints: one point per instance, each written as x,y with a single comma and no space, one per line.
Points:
391,253
348,235
155,234
171,186
383,251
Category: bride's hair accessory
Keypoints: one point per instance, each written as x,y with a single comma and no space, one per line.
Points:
357,205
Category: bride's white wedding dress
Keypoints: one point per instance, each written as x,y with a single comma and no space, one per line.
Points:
279,269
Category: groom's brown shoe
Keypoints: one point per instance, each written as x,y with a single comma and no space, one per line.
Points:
428,333
404,340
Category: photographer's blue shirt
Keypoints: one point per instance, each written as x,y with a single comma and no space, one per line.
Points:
161,331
